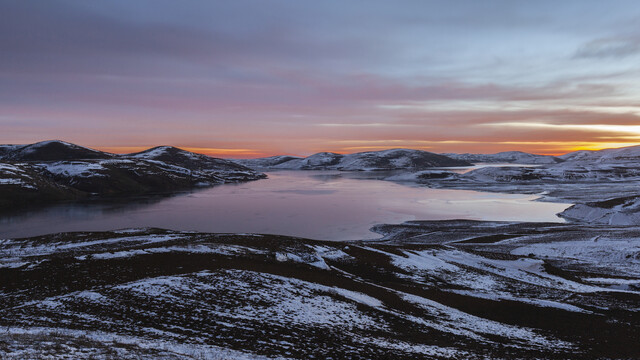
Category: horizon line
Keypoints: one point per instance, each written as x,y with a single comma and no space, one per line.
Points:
246,153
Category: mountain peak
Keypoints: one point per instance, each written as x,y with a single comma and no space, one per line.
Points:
185,158
52,150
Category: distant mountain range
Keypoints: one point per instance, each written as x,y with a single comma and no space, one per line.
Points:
410,159
393,159
516,157
57,170
581,177
625,154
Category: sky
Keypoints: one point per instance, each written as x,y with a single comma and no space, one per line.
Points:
257,78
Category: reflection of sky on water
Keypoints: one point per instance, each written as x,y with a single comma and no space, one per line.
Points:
321,205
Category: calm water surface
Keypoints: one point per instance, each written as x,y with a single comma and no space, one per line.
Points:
313,204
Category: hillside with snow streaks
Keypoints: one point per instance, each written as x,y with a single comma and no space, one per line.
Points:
615,211
5,149
186,159
442,289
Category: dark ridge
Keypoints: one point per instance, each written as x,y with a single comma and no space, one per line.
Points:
611,203
55,150
187,159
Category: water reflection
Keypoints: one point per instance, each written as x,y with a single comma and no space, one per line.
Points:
314,204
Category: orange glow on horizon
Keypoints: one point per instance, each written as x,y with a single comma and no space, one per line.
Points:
601,146
542,148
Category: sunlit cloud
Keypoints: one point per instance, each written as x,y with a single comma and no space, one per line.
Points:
599,128
365,125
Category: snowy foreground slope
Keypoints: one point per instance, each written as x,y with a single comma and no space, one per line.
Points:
55,170
428,290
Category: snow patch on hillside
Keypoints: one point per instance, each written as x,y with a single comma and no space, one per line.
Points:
278,300
622,256
621,211
74,168
60,343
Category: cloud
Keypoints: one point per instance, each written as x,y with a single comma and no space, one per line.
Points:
267,75
65,37
609,48
560,116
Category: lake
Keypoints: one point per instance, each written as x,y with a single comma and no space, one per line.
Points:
315,204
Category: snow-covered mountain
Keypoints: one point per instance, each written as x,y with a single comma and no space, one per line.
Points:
56,170
515,157
625,154
393,159
186,159
52,150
